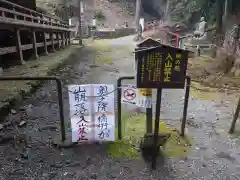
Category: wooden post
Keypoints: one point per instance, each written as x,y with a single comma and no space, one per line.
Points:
233,124
63,40
63,44
66,38
3,14
58,40
52,40
45,43
15,16
149,120
156,127
34,42
19,47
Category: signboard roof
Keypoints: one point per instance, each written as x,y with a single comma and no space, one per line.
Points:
161,66
152,44
148,42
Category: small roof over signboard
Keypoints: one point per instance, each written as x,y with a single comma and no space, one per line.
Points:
150,43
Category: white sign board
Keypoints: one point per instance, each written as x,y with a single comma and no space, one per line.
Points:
144,98
129,94
92,112
139,97
82,7
94,22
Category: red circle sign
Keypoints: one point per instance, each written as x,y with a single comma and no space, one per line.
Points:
129,94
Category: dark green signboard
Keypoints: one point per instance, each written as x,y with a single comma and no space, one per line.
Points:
161,67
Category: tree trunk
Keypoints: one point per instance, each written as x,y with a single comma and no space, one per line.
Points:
80,22
138,11
226,7
137,17
219,15
166,10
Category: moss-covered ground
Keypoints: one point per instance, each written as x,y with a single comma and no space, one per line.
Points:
133,131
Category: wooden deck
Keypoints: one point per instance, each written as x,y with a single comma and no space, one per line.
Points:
30,30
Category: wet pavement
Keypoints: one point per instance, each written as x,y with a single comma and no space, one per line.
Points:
26,152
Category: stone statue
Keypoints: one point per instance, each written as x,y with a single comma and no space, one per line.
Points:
200,31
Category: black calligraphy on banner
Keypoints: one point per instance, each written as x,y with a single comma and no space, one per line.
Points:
102,108
103,125
102,94
82,131
80,111
162,66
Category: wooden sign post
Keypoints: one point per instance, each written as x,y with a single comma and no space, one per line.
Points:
157,68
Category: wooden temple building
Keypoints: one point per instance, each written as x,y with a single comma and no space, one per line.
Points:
26,32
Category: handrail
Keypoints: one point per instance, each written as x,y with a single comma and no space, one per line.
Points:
32,12
27,17
17,13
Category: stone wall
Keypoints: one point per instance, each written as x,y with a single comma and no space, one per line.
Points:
111,34
124,32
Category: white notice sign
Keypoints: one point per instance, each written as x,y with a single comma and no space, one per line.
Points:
129,94
134,96
92,112
104,112
144,97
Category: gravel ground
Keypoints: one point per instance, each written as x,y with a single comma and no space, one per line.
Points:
26,152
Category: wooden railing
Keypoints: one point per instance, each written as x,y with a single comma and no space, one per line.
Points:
13,49
26,29
14,14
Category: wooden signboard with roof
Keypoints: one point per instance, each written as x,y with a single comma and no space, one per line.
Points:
160,65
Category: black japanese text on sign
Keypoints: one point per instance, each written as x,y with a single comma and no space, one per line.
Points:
80,100
161,67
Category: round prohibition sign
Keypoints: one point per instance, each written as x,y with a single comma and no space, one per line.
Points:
129,94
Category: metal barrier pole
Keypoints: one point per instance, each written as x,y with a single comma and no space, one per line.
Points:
59,89
61,108
184,118
119,107
236,114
